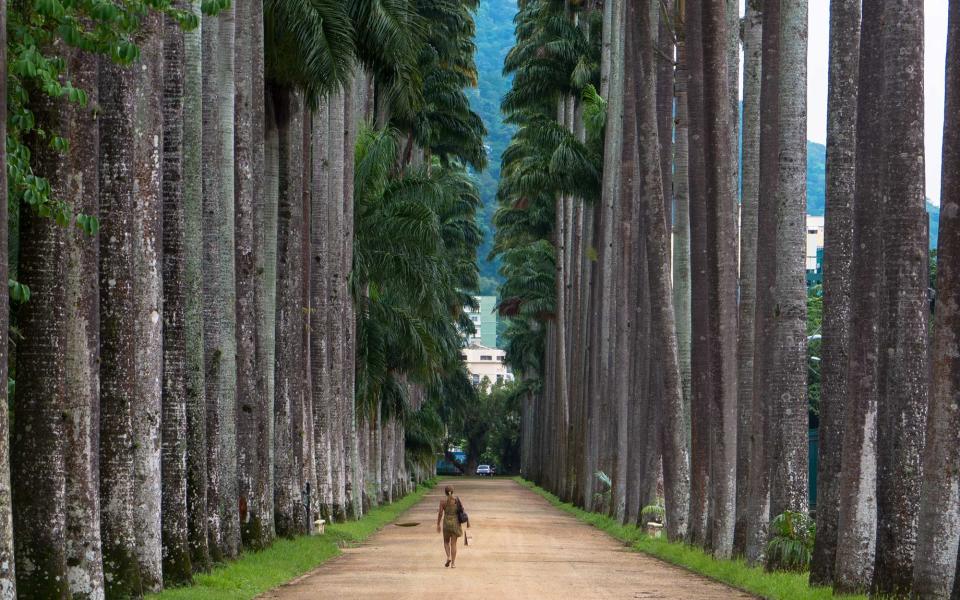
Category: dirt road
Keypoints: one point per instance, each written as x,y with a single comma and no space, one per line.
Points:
520,547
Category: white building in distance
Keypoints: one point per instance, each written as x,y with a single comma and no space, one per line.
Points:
485,363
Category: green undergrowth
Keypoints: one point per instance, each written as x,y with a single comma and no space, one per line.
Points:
257,572
735,573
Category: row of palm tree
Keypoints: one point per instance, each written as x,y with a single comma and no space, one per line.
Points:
241,239
677,372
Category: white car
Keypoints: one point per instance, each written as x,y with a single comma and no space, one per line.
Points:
484,471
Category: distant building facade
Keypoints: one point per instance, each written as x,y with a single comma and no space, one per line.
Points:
484,321
484,362
814,256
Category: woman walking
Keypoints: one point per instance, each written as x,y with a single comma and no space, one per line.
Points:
450,509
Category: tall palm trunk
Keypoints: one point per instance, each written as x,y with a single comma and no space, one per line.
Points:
561,276
749,201
626,231
147,266
902,403
700,318
55,495
788,414
193,295
354,93
219,291
8,588
662,320
604,393
174,511
320,376
38,436
857,527
265,244
333,204
131,327
308,452
285,133
253,445
76,181
758,476
837,277
722,248
938,530
681,215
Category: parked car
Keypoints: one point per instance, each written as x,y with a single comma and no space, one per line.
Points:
484,471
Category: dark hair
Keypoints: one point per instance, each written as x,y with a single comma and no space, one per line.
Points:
448,490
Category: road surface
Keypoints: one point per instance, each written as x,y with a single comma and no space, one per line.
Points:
520,547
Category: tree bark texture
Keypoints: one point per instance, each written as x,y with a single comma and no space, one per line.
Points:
287,126
662,319
701,388
904,365
174,510
147,129
837,277
749,213
321,396
758,476
938,531
196,408
856,531
335,314
219,290
788,408
76,181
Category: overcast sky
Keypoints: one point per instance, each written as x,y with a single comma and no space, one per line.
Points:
934,54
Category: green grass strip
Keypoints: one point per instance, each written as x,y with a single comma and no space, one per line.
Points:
257,572
735,573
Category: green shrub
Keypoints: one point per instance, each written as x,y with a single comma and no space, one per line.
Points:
791,542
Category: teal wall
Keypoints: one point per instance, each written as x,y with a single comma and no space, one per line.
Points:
488,320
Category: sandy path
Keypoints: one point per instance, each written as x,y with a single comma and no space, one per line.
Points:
520,547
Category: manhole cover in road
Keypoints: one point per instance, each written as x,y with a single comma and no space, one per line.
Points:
407,524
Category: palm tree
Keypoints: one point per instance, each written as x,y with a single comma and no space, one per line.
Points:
39,434
681,209
285,130
662,320
758,476
856,532
722,253
324,425
837,276
174,517
902,403
322,33
254,413
749,200
935,562
699,357
219,291
788,401
193,296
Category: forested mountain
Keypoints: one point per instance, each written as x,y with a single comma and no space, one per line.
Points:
494,39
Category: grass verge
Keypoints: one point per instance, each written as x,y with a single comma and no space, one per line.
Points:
255,573
735,573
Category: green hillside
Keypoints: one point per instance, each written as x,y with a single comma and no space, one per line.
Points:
494,39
